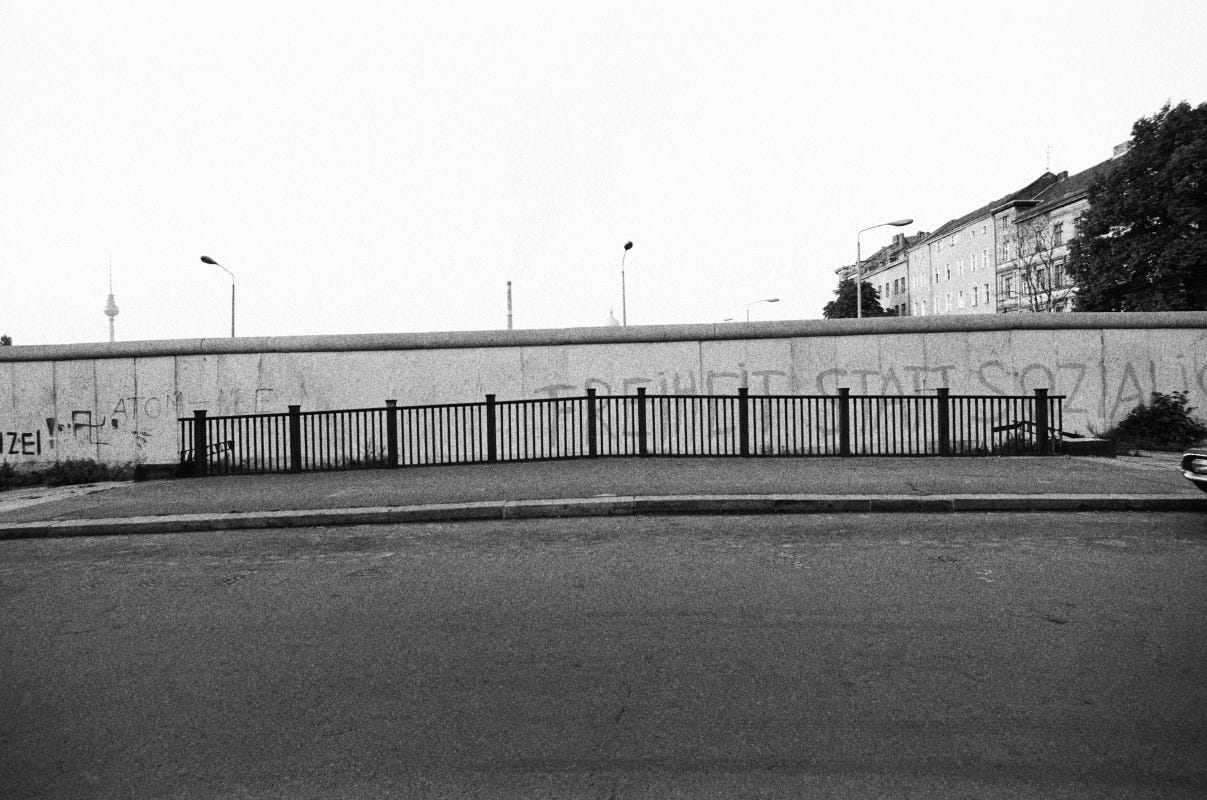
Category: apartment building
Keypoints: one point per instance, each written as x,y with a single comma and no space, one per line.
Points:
954,269
888,271
1006,256
1033,243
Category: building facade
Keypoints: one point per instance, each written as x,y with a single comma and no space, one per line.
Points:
1033,244
888,271
1006,256
954,269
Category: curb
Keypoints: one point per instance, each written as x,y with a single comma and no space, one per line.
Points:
601,507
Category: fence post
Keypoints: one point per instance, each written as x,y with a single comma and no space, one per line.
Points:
391,433
295,438
492,450
200,443
1041,421
642,447
844,422
592,446
944,420
744,421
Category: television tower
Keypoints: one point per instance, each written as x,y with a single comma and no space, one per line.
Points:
110,306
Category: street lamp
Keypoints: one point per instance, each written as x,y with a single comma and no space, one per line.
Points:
208,260
624,316
859,267
753,302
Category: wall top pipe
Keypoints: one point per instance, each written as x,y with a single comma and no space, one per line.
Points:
876,326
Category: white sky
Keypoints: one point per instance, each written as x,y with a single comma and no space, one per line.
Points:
378,167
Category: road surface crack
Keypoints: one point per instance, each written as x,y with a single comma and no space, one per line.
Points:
628,691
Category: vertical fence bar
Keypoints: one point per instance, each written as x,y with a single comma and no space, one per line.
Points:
1056,415
744,421
943,420
642,447
295,438
1041,421
200,445
391,433
492,452
844,421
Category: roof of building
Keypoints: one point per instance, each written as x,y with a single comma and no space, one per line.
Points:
885,254
1068,190
1027,193
881,258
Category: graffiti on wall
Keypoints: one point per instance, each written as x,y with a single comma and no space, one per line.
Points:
1127,386
764,381
128,422
21,443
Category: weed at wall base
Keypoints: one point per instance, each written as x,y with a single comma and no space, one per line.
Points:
63,473
1164,423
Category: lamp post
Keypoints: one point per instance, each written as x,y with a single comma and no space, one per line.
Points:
624,316
859,267
208,260
753,302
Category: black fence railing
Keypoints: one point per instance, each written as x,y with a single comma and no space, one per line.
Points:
594,426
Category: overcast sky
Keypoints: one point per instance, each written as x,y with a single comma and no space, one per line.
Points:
380,167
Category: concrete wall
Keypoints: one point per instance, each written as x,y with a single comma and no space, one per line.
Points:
119,402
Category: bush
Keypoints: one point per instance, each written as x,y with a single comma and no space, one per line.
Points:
1164,424
62,473
11,478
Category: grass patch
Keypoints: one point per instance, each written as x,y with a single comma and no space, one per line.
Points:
63,473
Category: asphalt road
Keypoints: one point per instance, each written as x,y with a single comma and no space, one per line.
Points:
1002,656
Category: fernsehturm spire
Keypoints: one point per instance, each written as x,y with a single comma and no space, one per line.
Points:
110,306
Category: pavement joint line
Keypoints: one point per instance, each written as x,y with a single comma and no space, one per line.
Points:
623,505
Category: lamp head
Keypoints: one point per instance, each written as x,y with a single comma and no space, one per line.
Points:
208,260
902,222
628,245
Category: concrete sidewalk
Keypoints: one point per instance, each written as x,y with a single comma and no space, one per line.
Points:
606,487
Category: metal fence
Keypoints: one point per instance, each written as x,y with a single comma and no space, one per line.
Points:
595,426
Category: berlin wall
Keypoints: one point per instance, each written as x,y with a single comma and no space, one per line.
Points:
119,402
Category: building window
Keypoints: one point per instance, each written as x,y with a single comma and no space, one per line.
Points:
947,302
1058,236
1008,287
960,299
974,296
948,267
986,294
972,262
924,308
985,257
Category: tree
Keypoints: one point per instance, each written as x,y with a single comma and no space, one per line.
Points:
1040,272
843,307
1142,245
5,340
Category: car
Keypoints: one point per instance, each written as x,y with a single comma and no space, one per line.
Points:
1194,466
